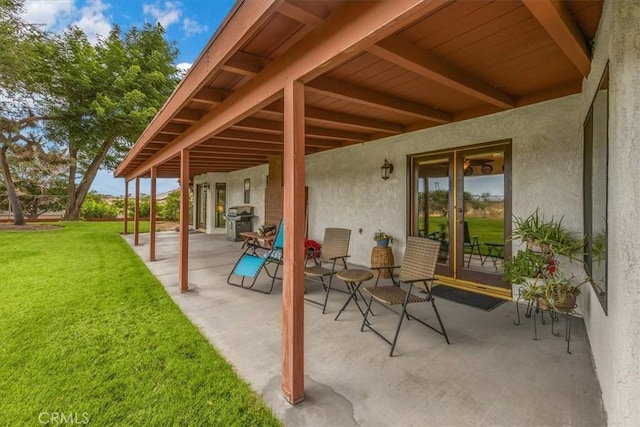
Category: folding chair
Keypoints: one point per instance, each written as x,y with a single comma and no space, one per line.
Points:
472,243
335,247
417,270
250,265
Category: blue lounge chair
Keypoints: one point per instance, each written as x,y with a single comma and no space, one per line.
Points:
251,264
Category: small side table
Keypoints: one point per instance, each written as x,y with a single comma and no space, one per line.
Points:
353,278
382,256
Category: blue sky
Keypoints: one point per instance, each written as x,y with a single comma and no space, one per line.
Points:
190,23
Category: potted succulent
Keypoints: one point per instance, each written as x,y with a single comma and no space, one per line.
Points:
382,238
560,292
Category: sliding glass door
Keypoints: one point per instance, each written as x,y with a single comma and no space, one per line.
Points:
462,198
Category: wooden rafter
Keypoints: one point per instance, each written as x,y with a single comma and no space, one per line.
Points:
399,52
362,95
347,120
556,19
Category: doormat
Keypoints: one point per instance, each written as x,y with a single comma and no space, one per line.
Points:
473,299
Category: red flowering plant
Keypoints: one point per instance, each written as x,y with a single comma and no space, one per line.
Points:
312,248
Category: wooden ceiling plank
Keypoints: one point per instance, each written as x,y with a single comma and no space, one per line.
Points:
421,62
343,35
556,19
365,96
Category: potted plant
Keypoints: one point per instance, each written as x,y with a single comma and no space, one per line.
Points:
382,238
526,264
547,236
560,292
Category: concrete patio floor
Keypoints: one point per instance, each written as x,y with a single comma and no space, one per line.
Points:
492,374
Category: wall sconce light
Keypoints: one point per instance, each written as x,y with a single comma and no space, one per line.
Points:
386,170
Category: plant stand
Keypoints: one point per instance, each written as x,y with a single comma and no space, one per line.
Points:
533,308
382,257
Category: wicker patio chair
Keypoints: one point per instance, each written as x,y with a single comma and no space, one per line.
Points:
417,271
251,264
333,258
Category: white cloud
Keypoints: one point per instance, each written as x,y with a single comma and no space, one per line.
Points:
54,15
184,66
166,14
191,27
93,21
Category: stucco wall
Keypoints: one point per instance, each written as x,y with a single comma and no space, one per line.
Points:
345,188
235,193
615,338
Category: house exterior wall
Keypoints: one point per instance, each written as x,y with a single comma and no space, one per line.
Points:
615,337
346,190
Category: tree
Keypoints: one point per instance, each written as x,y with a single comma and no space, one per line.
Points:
24,79
104,96
38,177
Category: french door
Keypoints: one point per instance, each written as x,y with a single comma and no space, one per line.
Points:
462,198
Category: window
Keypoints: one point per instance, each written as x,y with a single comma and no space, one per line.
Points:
596,153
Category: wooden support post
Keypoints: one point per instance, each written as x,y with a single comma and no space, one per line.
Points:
294,214
152,215
126,207
183,261
136,215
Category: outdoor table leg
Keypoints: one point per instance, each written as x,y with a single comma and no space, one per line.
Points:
354,287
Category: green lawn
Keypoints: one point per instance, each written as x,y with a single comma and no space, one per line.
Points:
87,331
487,229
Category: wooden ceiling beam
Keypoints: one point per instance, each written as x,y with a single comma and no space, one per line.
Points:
242,145
245,64
276,128
239,135
297,14
162,137
187,116
338,118
209,95
365,96
557,20
402,53
174,129
257,147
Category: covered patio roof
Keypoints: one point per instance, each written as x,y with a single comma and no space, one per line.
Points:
369,69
